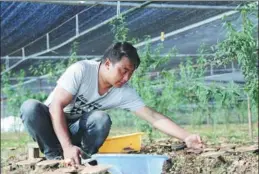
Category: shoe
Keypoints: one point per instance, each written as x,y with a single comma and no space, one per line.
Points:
85,155
92,162
54,157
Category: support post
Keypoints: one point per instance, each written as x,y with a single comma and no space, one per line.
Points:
233,67
7,62
118,8
47,40
211,69
23,53
77,27
2,107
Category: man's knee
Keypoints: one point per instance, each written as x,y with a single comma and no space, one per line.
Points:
99,119
96,127
29,109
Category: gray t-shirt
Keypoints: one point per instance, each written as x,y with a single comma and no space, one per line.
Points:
81,80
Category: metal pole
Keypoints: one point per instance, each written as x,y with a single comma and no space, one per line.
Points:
2,107
153,5
211,69
77,28
41,77
54,57
93,56
233,67
47,40
7,62
118,8
23,53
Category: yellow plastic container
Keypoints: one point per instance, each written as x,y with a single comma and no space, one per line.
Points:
122,143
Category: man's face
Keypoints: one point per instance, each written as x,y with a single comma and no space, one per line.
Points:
120,72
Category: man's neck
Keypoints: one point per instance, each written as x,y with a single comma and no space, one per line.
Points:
102,84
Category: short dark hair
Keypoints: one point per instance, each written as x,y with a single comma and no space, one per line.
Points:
116,51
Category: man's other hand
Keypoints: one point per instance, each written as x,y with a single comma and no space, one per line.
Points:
194,141
72,155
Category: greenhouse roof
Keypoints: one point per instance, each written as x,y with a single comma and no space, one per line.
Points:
32,31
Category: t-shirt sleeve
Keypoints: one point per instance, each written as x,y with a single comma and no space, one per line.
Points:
130,100
71,79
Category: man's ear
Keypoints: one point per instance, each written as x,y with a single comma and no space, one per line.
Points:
107,63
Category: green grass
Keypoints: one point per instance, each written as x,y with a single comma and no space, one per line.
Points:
233,133
17,139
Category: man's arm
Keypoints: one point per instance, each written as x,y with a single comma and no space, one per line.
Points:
167,126
61,99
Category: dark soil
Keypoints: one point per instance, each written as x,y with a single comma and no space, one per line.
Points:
223,159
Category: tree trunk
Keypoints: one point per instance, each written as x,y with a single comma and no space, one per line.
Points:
249,114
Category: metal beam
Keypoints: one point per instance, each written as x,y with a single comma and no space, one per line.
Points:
97,58
152,5
93,56
53,57
39,78
187,28
23,78
75,37
33,79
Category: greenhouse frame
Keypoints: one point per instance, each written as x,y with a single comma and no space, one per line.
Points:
35,32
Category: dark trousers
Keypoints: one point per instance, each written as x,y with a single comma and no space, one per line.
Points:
88,132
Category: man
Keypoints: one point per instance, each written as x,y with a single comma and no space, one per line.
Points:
72,119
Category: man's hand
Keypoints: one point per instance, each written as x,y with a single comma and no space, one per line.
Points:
71,155
194,141
164,124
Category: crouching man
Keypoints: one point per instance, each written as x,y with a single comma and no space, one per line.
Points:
73,120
